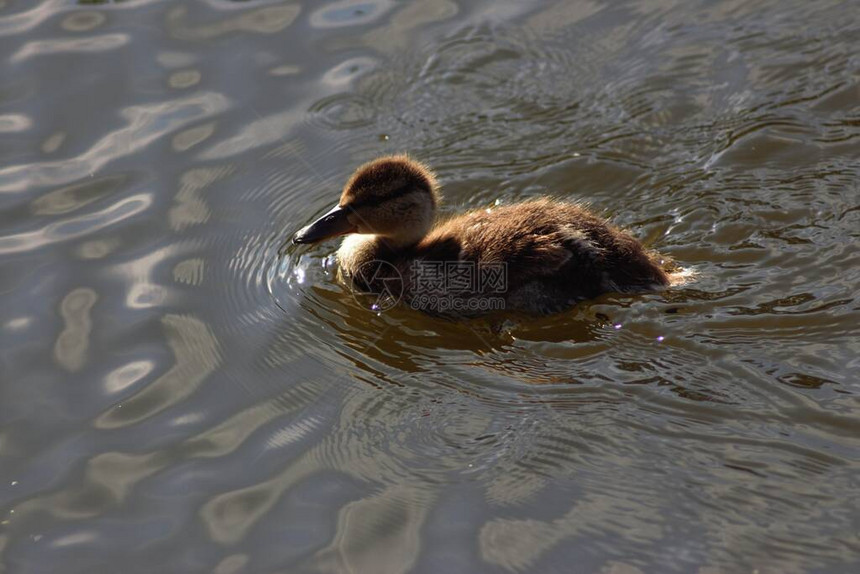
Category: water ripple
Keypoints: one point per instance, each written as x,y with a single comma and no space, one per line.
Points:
146,124
65,45
74,227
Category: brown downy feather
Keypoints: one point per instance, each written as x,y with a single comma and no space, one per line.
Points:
555,253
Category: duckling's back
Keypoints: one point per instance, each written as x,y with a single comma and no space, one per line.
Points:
554,253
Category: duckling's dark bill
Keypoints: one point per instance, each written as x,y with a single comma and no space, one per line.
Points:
332,224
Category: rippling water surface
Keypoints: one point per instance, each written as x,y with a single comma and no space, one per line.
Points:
177,396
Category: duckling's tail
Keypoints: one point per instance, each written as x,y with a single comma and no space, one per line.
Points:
682,276
677,275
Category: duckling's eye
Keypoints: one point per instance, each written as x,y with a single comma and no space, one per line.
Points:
376,200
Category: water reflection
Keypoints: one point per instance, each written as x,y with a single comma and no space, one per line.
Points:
349,13
196,354
146,124
74,227
263,20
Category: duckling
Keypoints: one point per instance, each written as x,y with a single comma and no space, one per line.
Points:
545,254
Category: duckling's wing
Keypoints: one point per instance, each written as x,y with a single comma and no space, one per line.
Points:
531,240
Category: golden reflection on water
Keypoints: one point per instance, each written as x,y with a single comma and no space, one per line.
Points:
197,354
190,208
263,20
71,347
380,533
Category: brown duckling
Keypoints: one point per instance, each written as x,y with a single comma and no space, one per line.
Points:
536,256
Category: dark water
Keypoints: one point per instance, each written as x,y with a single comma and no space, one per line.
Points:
176,397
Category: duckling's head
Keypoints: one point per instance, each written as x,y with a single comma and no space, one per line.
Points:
392,197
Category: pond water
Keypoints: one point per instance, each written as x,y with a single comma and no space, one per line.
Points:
177,396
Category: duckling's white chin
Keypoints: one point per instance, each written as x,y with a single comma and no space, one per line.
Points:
355,249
